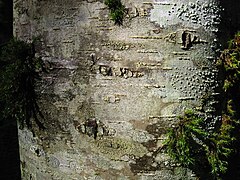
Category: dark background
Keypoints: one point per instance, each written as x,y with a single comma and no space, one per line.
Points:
6,19
9,150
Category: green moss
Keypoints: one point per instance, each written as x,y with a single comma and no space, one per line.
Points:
221,148
182,140
117,10
229,63
18,74
191,144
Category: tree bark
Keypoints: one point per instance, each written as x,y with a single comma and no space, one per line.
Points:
111,91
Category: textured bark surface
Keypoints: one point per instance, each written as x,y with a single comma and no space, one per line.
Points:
112,91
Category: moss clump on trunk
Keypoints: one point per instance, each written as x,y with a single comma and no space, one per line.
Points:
18,72
192,145
117,10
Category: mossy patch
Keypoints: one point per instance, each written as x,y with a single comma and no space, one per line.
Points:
116,9
19,70
192,144
229,63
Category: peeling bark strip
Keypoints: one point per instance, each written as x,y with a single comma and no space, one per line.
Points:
113,91
188,39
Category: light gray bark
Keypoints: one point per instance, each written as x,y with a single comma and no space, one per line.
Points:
113,91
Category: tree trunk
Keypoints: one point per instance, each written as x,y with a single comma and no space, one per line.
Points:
112,91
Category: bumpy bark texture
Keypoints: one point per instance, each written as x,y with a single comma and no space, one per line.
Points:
112,91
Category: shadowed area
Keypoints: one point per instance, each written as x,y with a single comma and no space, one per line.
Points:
9,152
9,149
230,23
229,26
6,20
